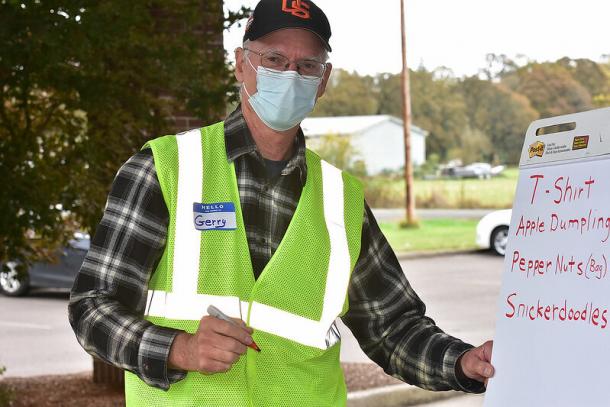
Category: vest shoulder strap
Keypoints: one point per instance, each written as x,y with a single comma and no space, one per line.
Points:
165,156
353,190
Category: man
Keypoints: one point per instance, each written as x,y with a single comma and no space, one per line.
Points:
241,216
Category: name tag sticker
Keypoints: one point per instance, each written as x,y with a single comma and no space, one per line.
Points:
214,216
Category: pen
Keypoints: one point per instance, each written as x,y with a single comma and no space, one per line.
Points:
215,312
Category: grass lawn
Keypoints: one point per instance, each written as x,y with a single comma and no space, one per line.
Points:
497,192
432,235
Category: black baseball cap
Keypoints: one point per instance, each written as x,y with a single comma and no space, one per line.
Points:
272,15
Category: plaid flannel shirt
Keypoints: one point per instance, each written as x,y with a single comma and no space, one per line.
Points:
108,298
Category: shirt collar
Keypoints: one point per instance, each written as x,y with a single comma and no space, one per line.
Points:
239,142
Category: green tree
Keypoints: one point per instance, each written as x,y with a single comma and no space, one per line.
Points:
390,94
83,84
500,114
550,88
603,99
347,94
498,66
437,106
339,151
474,145
589,74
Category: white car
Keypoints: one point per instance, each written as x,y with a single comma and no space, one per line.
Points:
474,170
492,231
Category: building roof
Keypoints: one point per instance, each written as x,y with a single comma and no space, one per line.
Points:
321,126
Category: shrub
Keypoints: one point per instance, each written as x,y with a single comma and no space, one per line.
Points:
6,395
339,151
383,192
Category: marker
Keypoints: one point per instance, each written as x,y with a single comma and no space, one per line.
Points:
216,313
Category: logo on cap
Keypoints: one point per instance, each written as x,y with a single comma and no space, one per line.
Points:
297,8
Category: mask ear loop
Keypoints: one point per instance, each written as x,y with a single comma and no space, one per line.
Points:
250,62
243,84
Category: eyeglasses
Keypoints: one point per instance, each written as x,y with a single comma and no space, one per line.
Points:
275,60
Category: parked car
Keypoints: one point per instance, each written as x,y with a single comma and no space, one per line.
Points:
474,170
492,231
45,275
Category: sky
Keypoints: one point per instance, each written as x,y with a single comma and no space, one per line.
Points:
456,35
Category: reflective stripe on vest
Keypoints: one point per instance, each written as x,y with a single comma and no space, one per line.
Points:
184,303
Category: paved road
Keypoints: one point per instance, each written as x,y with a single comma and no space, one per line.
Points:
461,401
36,338
399,214
460,292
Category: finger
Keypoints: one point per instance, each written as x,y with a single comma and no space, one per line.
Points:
487,350
242,323
227,343
227,329
206,322
482,369
471,372
475,366
213,366
223,356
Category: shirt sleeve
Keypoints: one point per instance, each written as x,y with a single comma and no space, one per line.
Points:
109,294
388,319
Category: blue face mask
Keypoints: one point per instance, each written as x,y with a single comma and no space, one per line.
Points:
283,99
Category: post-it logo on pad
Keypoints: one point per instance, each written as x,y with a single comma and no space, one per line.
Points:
214,216
536,149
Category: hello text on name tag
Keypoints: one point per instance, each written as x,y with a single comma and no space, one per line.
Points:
214,216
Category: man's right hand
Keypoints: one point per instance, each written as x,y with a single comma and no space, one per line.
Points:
214,348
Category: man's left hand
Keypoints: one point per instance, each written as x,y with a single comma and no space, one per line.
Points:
475,364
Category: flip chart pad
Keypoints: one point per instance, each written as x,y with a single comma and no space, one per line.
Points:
552,344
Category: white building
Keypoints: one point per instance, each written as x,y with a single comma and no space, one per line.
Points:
378,139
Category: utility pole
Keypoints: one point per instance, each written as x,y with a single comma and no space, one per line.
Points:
406,99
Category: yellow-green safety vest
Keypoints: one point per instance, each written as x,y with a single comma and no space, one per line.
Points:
292,306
